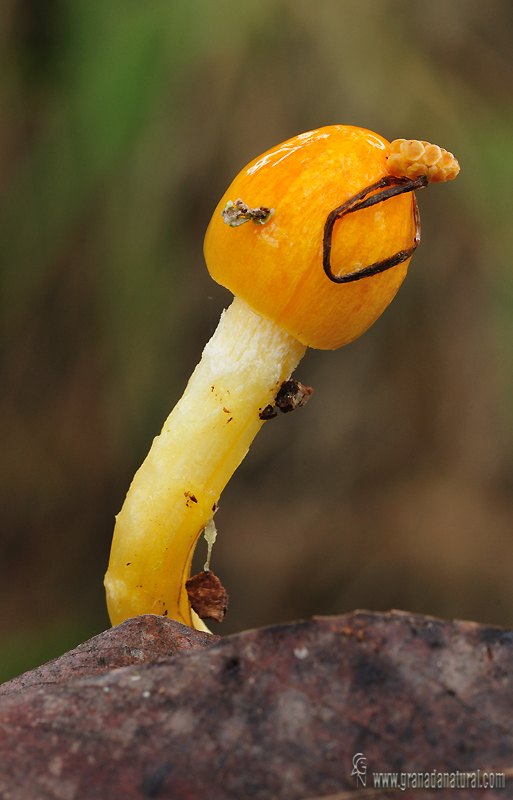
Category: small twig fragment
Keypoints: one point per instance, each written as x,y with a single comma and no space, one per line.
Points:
207,596
235,214
390,186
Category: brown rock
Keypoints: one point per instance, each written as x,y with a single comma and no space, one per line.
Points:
275,713
135,641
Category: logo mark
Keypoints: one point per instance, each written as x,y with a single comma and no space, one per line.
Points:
360,768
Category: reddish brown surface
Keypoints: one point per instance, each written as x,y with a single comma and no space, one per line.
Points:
272,713
135,641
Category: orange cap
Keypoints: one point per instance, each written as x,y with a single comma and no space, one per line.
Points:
277,267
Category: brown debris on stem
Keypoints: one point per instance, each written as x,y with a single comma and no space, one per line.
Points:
207,596
291,395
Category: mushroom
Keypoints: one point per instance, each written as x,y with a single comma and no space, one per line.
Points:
314,239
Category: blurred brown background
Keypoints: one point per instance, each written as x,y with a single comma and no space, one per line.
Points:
122,122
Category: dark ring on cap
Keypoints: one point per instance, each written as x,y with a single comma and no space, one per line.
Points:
391,186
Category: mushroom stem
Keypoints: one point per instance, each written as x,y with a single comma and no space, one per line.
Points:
175,492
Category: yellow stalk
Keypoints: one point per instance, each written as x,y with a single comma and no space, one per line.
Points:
322,272
174,493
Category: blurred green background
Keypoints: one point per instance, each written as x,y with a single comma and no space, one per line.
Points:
122,123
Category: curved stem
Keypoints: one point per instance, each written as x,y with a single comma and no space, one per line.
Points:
174,493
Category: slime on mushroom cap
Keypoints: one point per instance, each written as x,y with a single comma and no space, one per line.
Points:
282,259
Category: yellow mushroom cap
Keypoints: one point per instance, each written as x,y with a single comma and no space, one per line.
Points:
277,267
